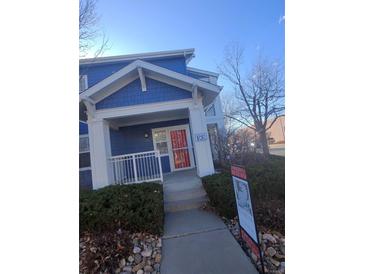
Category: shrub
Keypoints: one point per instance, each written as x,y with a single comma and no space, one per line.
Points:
137,208
267,181
220,191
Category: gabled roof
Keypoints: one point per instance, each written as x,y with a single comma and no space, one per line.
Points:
132,72
187,53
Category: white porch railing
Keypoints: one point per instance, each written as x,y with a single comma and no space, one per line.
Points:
137,167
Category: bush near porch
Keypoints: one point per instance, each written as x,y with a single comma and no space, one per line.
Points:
267,179
117,223
136,208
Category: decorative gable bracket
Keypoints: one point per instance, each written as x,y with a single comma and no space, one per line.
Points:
142,78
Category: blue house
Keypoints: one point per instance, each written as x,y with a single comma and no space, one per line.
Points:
145,115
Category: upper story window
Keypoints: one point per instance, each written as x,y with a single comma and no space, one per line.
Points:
210,111
83,85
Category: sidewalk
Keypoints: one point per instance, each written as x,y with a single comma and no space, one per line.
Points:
198,242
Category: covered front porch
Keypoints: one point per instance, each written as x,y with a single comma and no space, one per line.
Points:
144,147
128,147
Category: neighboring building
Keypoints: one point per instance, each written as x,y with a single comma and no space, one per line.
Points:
276,137
143,115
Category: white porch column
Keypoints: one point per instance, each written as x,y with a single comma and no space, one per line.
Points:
100,151
203,153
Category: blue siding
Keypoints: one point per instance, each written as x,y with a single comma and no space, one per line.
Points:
131,139
98,72
174,64
132,94
165,162
85,180
83,129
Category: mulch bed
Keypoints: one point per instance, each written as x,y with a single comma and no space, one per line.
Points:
270,215
102,252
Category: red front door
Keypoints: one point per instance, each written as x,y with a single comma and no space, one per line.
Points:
180,149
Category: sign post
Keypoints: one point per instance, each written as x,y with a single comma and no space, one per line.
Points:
246,216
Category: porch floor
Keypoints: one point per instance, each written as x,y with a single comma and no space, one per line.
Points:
181,180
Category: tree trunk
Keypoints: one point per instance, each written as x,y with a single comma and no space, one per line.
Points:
263,142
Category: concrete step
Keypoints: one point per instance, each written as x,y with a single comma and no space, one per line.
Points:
184,195
185,204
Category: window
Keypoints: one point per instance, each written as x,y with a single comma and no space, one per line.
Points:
84,144
160,139
210,111
83,85
84,152
162,147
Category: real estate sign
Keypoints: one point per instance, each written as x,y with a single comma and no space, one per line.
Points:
245,211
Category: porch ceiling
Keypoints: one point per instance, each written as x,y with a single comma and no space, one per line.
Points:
150,118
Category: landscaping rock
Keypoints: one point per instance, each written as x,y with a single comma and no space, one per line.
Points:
140,271
269,237
146,253
127,268
148,269
138,266
137,258
271,251
158,258
274,262
136,249
272,242
142,256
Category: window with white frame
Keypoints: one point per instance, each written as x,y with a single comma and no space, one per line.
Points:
83,84
84,152
160,139
84,144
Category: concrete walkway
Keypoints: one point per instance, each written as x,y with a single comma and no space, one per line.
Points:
198,242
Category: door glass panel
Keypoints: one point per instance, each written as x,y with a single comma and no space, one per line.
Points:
162,147
160,139
160,136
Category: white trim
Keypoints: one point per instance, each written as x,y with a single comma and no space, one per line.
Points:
204,72
189,53
195,95
142,109
131,69
83,82
202,149
143,79
85,168
169,145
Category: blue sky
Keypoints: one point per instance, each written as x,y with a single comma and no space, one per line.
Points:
208,26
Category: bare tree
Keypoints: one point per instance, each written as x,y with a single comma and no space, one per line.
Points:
88,29
259,93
